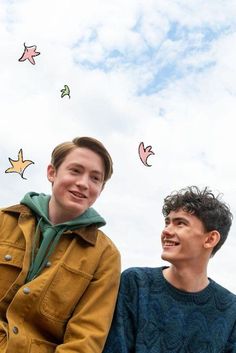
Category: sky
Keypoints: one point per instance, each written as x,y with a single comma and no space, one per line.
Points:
154,71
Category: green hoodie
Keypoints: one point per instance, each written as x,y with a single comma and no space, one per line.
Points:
51,234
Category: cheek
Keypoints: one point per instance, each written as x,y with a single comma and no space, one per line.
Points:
60,185
95,190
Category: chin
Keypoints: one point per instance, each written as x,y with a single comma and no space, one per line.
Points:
76,212
166,257
163,257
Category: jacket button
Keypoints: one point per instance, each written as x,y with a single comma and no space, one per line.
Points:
48,264
8,257
15,330
26,290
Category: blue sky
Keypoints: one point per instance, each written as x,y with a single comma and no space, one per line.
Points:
159,72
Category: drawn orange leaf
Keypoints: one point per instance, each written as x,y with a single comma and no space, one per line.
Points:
19,165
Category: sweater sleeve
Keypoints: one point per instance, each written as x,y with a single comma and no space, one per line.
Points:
231,347
121,338
88,327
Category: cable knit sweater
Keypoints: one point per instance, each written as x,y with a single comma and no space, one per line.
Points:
152,316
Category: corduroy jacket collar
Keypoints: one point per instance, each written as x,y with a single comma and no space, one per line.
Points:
89,234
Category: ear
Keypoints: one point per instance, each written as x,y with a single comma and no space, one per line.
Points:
51,172
212,239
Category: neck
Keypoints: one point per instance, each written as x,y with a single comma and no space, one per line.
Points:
186,279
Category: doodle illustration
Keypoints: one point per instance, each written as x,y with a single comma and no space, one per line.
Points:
29,54
19,165
65,91
144,153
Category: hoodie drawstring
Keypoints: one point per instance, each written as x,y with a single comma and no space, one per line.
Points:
48,244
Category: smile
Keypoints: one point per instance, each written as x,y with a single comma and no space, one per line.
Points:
78,195
170,243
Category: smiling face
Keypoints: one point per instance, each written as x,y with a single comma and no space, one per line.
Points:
184,239
76,184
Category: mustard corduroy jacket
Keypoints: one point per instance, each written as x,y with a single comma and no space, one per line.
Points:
68,308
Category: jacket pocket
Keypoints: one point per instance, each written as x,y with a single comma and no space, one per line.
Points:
63,293
39,346
11,260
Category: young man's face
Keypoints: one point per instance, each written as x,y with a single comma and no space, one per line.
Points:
183,238
76,184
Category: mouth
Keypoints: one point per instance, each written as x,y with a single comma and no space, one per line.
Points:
78,195
170,243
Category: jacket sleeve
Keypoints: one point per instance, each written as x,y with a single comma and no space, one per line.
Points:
89,325
121,338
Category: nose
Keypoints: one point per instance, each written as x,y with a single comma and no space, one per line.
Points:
168,231
82,182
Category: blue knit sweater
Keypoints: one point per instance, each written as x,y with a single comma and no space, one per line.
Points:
152,316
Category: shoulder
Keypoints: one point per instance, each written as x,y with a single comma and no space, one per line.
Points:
138,277
220,289
141,272
107,256
13,212
223,297
15,209
106,243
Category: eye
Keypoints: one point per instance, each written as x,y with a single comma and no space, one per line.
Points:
167,223
96,178
181,223
74,170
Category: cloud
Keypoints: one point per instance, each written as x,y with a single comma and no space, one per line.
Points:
162,73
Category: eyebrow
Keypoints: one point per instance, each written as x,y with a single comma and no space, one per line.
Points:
98,173
176,219
78,165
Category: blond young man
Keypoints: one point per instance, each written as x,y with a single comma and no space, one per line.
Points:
59,273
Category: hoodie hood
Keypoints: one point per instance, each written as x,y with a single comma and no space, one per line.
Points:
51,234
38,203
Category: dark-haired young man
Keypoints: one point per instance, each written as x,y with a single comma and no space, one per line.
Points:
178,309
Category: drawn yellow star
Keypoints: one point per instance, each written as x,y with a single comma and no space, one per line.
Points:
19,165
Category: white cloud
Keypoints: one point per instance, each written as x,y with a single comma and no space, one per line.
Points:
188,119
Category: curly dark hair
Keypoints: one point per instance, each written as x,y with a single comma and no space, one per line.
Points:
214,213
